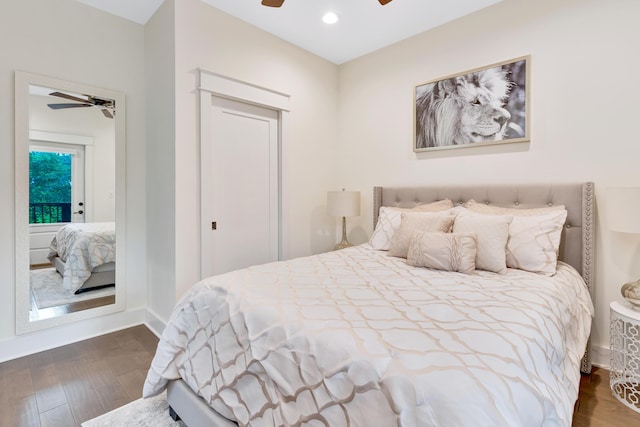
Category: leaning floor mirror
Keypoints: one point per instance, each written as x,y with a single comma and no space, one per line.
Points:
69,200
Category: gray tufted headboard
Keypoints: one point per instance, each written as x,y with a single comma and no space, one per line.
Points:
576,247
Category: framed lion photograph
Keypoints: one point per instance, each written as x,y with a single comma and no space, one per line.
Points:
484,106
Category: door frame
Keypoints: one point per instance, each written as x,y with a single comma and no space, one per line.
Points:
213,84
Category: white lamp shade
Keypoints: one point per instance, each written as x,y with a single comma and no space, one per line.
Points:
343,203
623,209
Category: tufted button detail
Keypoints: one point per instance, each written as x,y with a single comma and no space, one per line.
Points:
517,203
568,226
549,204
486,203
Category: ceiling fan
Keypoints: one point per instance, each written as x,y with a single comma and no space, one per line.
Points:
278,3
108,106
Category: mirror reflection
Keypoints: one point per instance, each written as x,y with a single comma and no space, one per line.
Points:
71,201
66,235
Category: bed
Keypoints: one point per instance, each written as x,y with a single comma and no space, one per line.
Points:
84,254
359,337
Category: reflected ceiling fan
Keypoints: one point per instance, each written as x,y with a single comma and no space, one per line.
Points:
278,3
108,106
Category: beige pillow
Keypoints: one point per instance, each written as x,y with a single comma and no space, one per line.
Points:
417,221
443,251
389,220
492,233
534,236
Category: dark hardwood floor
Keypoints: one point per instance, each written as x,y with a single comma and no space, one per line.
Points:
68,385
597,407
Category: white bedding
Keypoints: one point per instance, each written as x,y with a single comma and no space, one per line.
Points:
358,338
83,247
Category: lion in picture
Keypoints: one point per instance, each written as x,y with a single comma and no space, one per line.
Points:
467,109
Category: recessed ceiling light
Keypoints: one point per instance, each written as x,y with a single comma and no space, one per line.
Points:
330,18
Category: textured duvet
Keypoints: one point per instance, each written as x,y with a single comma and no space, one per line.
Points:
83,247
358,338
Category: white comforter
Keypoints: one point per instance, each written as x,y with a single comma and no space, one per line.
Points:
357,338
83,247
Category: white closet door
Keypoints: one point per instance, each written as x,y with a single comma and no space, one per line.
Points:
244,185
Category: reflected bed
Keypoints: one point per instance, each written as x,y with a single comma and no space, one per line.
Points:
84,254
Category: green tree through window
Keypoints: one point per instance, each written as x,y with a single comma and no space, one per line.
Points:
49,187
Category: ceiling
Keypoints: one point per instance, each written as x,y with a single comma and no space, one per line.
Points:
364,25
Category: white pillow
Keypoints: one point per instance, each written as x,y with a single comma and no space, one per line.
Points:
492,234
417,221
534,242
534,235
389,220
443,251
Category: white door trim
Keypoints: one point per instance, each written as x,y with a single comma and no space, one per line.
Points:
226,87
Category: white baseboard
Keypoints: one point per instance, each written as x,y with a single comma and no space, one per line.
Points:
600,357
154,323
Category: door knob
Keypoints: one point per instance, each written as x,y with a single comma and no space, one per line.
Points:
79,212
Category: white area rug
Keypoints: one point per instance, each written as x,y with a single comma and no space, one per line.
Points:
152,412
46,286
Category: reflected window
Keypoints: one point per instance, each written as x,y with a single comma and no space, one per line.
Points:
56,183
49,187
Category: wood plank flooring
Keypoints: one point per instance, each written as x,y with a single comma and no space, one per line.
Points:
68,385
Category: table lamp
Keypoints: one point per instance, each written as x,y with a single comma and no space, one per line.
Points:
343,203
623,216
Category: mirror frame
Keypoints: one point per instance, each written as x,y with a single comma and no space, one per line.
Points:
22,280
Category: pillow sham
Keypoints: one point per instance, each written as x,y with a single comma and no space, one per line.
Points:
443,251
534,242
534,235
389,220
492,234
411,222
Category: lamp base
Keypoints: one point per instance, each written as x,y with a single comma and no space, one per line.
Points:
631,292
343,244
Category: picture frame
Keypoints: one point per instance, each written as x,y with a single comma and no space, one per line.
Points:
484,106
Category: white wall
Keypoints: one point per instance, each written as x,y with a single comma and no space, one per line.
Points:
210,39
161,149
584,63
71,41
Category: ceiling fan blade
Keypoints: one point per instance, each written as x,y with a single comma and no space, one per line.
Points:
272,3
107,113
383,2
71,97
60,106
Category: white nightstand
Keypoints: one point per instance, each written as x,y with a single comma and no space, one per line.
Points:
625,354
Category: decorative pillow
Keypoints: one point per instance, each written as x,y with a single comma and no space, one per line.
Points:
534,235
498,210
534,242
443,251
417,221
389,220
492,233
